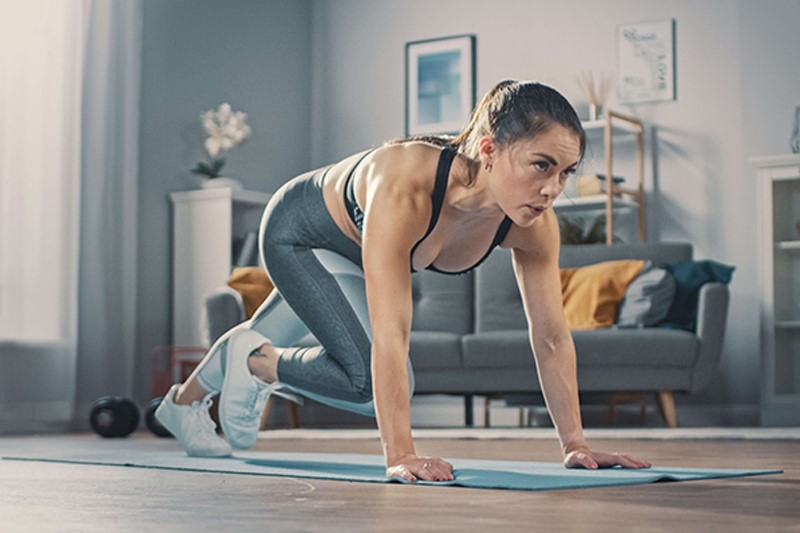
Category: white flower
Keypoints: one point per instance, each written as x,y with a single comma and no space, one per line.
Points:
212,146
225,128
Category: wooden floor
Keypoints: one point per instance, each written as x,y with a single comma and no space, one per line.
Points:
61,497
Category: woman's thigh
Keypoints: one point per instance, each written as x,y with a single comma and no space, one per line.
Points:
328,296
326,293
276,320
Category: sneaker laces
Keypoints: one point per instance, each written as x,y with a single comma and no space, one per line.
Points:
255,400
201,419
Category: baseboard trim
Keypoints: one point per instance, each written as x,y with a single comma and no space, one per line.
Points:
442,411
36,417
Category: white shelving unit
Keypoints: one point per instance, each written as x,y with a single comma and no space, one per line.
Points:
779,211
614,127
206,224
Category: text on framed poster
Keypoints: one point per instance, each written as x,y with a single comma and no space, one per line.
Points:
646,61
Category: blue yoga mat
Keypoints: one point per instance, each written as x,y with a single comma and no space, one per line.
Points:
483,474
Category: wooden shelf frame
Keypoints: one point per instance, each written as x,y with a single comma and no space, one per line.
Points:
637,193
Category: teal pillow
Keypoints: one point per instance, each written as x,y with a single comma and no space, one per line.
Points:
689,277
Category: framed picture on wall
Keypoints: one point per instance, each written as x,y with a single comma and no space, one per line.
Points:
440,84
646,61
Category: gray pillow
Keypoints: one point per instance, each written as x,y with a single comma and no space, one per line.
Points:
647,299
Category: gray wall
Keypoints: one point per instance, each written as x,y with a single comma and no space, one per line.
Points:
196,54
737,81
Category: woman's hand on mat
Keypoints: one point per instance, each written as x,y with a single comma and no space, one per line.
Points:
412,467
585,458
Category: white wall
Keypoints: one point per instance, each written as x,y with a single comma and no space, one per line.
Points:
737,85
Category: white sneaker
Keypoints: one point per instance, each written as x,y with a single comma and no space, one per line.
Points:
192,426
243,396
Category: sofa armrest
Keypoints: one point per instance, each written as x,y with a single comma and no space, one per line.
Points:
712,316
224,308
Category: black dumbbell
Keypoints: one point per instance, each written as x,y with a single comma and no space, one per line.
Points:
114,416
150,420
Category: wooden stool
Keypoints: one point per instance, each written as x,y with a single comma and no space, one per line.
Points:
524,418
626,397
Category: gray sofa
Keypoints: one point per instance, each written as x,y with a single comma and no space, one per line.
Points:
469,334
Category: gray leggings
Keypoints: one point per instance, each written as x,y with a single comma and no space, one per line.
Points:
319,280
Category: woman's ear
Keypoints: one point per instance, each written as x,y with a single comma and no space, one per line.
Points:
487,150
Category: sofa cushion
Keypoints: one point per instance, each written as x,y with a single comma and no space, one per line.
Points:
592,293
602,347
435,349
498,305
647,299
500,348
660,253
636,347
441,302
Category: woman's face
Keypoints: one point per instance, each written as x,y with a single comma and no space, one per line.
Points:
529,174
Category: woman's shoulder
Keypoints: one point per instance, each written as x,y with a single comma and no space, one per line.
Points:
399,181
407,154
409,165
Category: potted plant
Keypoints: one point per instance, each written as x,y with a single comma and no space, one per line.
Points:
226,129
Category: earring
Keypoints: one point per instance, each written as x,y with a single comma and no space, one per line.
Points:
488,167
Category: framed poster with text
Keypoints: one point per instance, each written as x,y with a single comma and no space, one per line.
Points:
646,62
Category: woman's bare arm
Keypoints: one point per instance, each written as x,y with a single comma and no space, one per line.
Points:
537,273
397,216
535,251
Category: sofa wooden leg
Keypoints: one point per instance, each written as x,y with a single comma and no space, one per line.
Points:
294,417
469,417
612,410
292,412
265,414
666,406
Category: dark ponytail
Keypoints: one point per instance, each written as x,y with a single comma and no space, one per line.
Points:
479,114
514,110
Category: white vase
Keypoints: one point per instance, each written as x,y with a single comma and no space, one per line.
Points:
216,183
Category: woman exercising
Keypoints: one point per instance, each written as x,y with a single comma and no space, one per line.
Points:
340,244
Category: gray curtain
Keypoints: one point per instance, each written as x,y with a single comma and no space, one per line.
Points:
108,239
